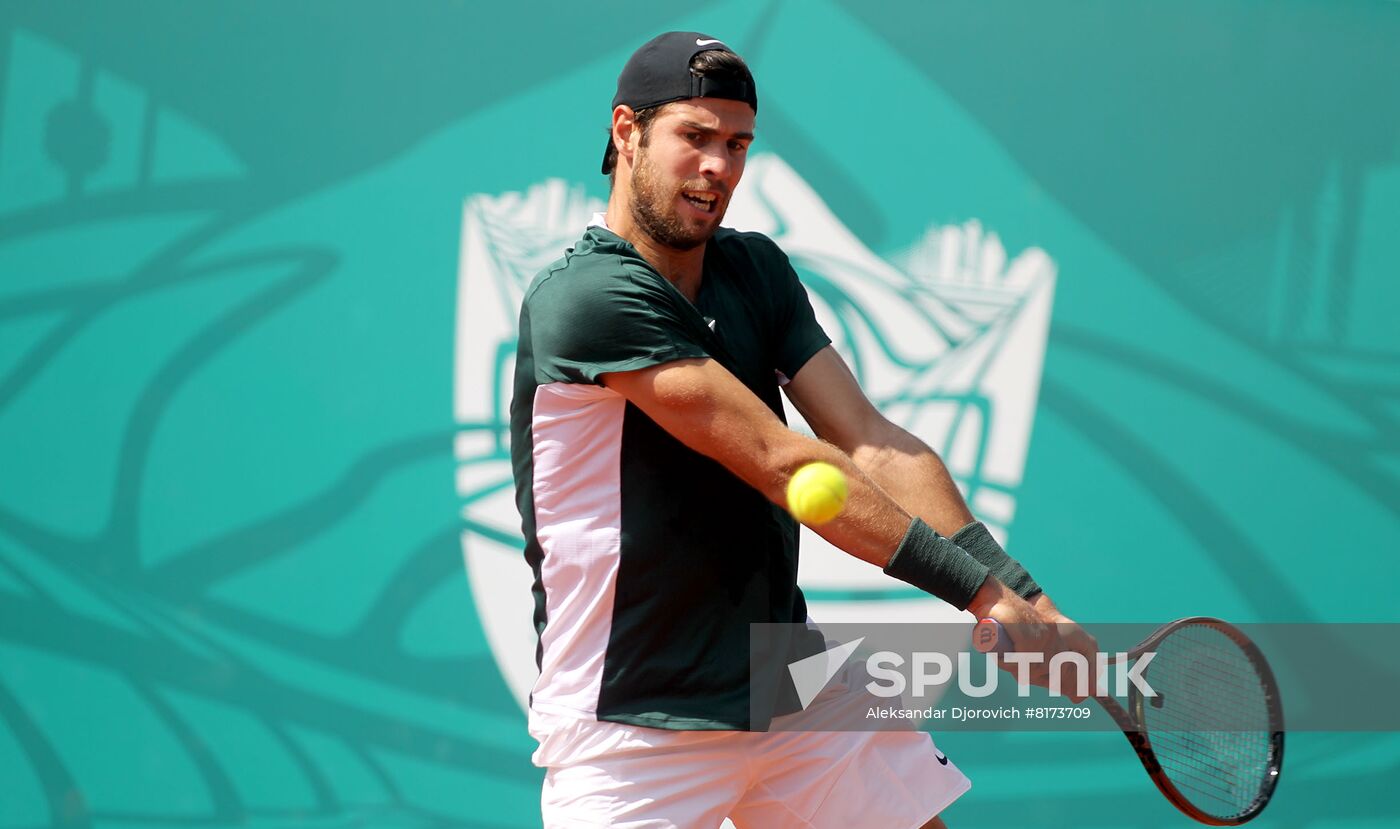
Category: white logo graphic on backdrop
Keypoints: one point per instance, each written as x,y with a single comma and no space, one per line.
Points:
947,336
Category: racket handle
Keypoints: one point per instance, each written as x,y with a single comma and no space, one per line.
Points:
990,637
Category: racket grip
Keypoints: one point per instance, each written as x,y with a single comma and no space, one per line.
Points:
990,637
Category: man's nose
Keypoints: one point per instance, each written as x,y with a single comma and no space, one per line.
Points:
716,164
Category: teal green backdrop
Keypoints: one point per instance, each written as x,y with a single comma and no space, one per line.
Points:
250,422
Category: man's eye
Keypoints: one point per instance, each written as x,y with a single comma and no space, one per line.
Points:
738,146
692,136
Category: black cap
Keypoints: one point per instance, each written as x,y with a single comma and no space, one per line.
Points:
659,72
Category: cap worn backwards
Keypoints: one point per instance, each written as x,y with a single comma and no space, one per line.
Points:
659,72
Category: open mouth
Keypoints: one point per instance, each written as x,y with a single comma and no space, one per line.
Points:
704,201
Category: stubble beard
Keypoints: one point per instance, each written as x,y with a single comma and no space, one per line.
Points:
655,215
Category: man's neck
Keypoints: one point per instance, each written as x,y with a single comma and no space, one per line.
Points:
682,267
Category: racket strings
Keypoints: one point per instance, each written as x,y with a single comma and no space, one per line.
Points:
1204,781
1209,667
1221,772
1210,777
1210,728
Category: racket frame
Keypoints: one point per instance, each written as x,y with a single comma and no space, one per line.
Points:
1131,719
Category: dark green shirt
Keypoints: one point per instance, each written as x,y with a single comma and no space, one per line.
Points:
650,560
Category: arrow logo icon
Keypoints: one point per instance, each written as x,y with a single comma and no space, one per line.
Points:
811,674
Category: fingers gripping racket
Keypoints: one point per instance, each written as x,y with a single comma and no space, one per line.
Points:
1212,737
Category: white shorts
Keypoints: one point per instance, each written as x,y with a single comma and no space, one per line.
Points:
610,774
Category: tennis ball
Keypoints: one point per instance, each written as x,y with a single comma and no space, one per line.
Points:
816,493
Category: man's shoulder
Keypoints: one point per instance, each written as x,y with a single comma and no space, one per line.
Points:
763,263
592,262
748,242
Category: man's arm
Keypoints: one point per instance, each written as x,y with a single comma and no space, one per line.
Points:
832,402
705,407
834,405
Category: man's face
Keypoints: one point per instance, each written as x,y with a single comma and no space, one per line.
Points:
684,176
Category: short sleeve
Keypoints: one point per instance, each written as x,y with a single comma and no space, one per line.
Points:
799,335
585,323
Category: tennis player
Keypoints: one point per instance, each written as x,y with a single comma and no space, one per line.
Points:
651,459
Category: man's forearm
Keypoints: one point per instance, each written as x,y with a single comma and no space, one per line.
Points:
873,526
916,479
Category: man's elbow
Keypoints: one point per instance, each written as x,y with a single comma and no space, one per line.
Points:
772,461
891,447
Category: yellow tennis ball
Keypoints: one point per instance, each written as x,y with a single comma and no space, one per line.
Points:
816,493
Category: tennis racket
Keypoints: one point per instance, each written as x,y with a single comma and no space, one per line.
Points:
1212,738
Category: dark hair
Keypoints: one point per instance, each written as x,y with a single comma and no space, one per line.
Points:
713,63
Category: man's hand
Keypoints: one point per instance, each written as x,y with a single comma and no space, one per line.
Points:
1028,630
1074,638
1037,627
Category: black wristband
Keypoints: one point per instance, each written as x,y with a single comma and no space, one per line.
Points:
936,565
978,541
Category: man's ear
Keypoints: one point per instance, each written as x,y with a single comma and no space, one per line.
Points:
626,134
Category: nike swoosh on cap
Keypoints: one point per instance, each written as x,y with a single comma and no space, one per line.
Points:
699,42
